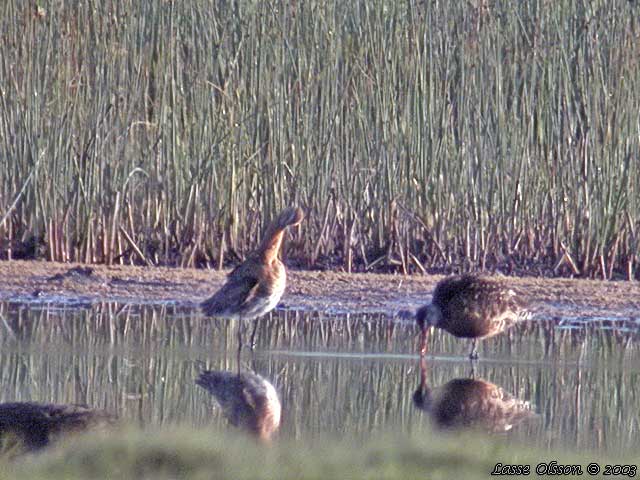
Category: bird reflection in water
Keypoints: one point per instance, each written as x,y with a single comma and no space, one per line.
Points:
27,426
470,403
247,400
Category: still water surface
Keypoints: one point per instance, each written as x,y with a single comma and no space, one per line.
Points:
346,374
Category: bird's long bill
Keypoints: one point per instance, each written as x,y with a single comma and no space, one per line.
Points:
423,372
424,337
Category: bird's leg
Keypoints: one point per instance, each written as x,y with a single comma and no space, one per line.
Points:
240,327
252,342
473,355
472,373
473,358
238,358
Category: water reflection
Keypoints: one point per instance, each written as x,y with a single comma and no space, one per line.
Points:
334,374
27,426
247,400
470,403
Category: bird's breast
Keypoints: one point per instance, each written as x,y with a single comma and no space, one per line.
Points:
277,279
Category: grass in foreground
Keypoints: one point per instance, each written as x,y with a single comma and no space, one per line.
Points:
204,454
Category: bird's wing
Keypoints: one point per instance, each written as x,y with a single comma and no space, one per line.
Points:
489,297
241,284
504,300
471,304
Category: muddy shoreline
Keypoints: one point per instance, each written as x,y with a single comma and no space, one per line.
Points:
330,292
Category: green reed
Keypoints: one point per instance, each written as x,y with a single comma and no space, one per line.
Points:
417,135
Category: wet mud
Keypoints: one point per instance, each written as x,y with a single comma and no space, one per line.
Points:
330,292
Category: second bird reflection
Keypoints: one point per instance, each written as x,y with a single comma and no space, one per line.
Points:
470,403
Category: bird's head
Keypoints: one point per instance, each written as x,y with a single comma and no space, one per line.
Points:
426,317
290,216
422,398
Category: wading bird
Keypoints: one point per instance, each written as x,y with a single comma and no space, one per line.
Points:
470,403
472,307
255,286
247,400
34,425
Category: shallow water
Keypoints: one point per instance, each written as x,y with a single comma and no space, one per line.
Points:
340,374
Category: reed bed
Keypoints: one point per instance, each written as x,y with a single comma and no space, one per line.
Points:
418,136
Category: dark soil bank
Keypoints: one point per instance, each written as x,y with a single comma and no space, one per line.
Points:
324,291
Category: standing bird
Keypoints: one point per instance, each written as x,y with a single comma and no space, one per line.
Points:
248,400
34,425
255,286
471,403
470,306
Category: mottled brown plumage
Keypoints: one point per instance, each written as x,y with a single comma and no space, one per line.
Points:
35,425
471,306
471,403
255,286
247,400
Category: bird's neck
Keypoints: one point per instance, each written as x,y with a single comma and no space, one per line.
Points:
436,316
270,246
